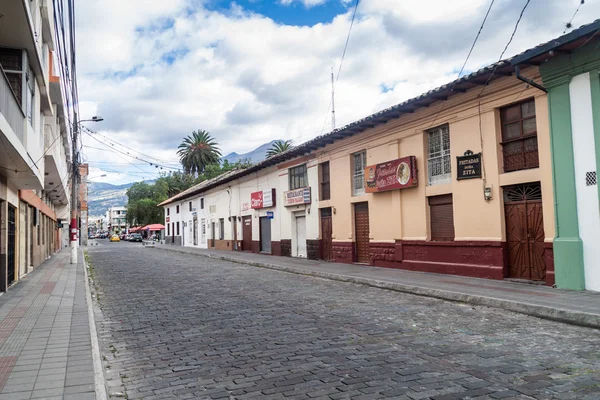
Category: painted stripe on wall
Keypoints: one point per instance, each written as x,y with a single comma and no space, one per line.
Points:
588,211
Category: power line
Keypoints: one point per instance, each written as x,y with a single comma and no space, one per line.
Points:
154,164
569,24
466,60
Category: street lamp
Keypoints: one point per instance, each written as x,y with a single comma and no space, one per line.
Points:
75,190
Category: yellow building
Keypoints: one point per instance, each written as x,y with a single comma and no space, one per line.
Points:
457,180
492,218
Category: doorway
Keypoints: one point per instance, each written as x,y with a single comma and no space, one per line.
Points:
361,232
301,236
212,234
203,230
265,235
525,232
326,234
10,250
247,233
23,239
195,233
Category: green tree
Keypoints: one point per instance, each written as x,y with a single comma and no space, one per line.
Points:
279,147
197,151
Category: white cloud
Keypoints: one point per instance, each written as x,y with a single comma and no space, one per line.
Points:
157,70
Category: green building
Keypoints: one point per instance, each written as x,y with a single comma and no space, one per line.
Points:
570,70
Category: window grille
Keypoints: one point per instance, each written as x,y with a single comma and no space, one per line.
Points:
438,159
590,178
358,176
519,136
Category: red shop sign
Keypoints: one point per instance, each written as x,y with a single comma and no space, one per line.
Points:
262,199
391,175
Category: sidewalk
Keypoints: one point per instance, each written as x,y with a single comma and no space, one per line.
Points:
45,342
574,307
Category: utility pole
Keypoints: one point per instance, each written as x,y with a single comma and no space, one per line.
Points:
332,102
74,190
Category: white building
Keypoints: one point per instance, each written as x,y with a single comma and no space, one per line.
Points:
34,135
116,221
263,209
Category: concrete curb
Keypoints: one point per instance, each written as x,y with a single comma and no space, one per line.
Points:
535,310
99,381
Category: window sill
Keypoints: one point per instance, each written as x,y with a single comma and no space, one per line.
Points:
522,176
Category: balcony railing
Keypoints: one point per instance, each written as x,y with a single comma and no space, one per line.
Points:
9,107
520,154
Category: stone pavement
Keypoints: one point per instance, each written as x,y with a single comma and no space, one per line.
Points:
575,307
45,346
179,326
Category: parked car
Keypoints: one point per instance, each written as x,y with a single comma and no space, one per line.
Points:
135,237
115,238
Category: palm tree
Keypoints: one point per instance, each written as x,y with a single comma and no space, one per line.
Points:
279,146
197,151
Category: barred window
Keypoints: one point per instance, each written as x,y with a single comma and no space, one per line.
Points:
359,162
519,136
298,177
438,159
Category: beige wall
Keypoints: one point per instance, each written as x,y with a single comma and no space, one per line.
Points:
403,214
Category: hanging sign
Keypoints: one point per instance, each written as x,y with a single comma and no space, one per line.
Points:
262,199
468,166
391,175
296,197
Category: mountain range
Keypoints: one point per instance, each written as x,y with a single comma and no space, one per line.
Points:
102,195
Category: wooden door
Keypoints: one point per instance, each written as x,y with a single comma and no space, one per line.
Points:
326,235
361,229
525,232
247,233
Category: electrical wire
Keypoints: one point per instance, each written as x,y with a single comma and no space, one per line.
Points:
466,60
569,24
154,164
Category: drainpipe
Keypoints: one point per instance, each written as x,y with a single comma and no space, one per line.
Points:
528,81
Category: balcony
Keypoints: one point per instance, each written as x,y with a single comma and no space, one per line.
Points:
18,30
56,169
15,162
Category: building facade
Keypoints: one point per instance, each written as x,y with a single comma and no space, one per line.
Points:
570,68
35,137
116,220
456,181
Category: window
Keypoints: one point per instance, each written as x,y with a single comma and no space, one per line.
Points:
177,228
298,177
190,206
325,187
359,162
202,204
177,210
11,61
519,136
438,158
221,228
168,211
441,218
168,230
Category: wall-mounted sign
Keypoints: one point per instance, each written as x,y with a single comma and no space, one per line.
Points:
468,166
262,199
391,175
270,214
168,219
245,206
296,197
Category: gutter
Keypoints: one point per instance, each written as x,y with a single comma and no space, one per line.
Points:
527,80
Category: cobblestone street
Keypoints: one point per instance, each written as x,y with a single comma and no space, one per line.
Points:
181,326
